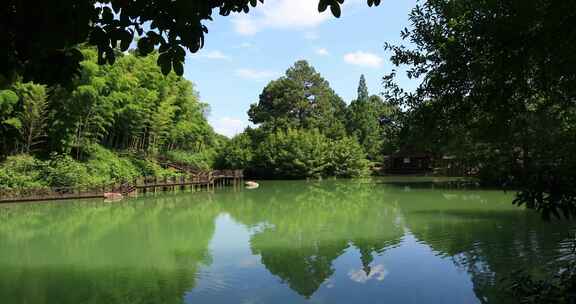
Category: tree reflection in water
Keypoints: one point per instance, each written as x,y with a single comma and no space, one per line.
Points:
83,252
332,241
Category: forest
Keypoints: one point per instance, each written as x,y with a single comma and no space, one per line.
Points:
493,91
115,121
92,93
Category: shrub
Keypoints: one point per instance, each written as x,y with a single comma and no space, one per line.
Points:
64,171
22,171
237,153
105,166
148,167
347,159
204,160
292,154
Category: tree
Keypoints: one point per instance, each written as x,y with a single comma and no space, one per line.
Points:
362,89
40,38
364,116
32,115
237,153
8,123
300,99
498,78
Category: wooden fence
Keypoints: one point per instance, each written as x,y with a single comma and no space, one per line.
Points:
195,181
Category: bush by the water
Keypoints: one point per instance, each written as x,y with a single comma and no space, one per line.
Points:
22,171
101,167
203,160
237,153
301,153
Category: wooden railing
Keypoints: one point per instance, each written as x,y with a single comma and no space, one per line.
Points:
196,180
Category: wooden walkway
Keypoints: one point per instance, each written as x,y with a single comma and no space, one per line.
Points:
194,181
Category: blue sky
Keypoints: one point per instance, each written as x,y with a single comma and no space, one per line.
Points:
244,52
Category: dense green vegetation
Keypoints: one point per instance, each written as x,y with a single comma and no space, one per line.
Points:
306,130
71,131
497,88
114,122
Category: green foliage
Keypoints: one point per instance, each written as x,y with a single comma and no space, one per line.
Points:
148,167
106,166
301,99
293,154
308,153
31,119
39,37
130,105
495,78
64,171
22,171
237,153
347,158
7,101
365,121
203,160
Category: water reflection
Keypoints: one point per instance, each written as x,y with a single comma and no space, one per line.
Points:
313,224
103,253
287,242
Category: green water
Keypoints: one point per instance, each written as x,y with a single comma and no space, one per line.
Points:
286,242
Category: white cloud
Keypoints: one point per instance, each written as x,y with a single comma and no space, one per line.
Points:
229,126
322,52
255,74
280,14
216,55
365,59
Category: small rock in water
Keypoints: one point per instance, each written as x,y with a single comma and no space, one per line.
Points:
251,185
112,196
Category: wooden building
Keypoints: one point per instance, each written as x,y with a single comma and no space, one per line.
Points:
404,162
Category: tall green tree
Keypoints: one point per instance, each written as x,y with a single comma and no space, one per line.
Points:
362,89
300,99
363,121
8,122
31,118
498,84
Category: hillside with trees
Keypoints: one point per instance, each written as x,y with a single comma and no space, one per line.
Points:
108,125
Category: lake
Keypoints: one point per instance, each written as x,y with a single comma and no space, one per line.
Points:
335,241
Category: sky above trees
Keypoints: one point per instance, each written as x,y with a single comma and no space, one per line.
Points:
244,52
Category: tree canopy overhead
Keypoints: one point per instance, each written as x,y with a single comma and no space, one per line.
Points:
499,86
38,38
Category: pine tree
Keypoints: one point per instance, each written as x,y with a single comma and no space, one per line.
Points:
362,89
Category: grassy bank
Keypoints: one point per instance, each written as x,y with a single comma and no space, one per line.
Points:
101,167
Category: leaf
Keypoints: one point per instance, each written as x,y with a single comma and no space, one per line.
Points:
335,8
126,38
165,63
97,36
14,122
145,46
107,15
110,56
322,5
178,68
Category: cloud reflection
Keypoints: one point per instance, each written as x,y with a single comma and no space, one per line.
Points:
377,273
